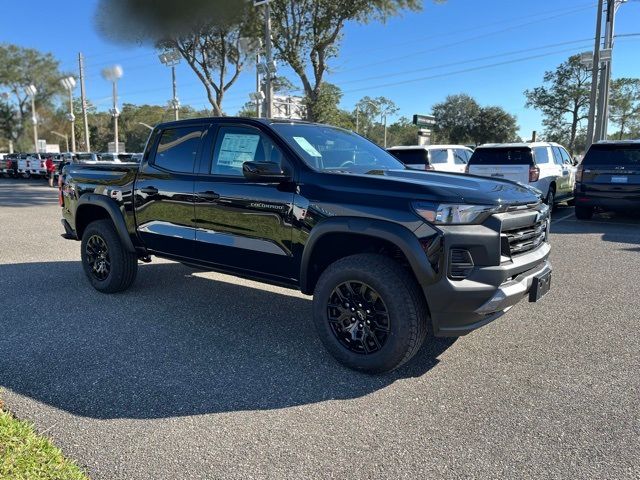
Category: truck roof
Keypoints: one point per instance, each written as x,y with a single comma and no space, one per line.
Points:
265,121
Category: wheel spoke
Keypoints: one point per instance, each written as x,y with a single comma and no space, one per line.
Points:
364,326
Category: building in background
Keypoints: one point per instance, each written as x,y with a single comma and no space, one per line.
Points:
290,107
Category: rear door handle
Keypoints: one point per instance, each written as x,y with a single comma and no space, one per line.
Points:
208,195
149,190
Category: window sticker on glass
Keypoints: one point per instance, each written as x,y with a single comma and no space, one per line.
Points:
310,149
237,148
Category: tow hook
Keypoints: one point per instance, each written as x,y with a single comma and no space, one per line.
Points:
146,259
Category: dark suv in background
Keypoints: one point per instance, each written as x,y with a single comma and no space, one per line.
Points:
608,179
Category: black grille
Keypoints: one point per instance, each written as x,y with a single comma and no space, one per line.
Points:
524,239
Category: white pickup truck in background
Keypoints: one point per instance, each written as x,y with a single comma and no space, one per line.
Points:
544,165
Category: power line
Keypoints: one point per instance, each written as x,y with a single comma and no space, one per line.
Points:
466,70
459,42
463,62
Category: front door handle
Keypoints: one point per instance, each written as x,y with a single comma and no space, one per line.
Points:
149,190
208,195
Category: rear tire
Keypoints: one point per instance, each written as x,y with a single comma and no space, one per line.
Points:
584,213
370,313
109,266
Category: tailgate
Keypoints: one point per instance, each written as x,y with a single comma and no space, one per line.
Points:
611,182
516,173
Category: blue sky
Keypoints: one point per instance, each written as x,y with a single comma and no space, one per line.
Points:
490,49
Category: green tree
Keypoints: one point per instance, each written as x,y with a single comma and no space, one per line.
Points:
326,106
307,34
371,114
20,67
457,118
624,105
494,125
563,100
402,132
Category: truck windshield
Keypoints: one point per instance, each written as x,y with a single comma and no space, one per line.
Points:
613,155
334,149
501,156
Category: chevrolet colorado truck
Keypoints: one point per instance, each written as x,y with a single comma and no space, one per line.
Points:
390,255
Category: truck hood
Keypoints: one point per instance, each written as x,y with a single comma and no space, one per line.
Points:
452,187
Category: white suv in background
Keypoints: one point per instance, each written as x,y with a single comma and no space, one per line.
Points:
544,165
443,158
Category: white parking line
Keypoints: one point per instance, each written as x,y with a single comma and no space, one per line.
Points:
554,220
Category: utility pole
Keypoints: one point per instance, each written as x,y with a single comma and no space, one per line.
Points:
267,41
357,119
594,76
83,97
258,86
605,74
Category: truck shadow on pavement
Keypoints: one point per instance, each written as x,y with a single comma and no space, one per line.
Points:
175,344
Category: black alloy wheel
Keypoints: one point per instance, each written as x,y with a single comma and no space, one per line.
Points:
358,317
97,256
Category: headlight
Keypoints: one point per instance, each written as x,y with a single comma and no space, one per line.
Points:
452,214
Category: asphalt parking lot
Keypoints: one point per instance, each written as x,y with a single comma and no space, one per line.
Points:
200,375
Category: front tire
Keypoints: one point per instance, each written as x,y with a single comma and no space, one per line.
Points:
369,313
551,198
584,213
108,265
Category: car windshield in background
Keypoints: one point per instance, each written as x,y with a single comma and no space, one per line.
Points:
613,155
334,149
501,156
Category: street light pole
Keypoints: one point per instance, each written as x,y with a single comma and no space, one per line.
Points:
176,105
31,91
69,83
171,58
113,74
594,76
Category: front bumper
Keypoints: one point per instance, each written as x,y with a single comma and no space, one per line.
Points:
499,277
459,307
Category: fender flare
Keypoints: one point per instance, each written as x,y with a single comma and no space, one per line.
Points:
112,208
394,233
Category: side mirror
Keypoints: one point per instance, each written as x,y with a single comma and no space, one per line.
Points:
265,172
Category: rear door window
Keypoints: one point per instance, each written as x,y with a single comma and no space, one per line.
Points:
178,148
566,158
417,156
557,156
501,156
613,155
542,155
438,156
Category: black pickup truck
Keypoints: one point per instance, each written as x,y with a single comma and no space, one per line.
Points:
390,255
